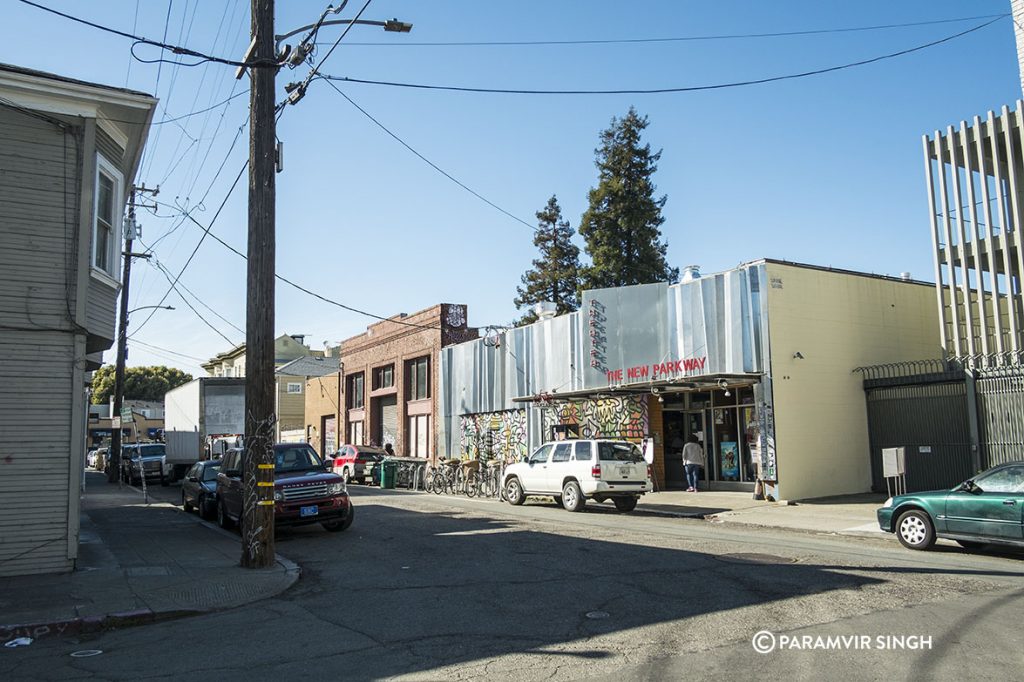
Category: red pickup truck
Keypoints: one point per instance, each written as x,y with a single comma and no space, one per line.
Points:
305,490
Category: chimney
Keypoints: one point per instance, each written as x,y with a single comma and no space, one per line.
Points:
1017,9
692,272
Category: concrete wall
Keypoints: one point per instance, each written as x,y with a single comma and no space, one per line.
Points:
837,321
322,400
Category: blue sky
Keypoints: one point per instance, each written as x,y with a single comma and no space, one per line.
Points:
826,170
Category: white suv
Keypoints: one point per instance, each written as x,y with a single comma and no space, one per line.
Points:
573,471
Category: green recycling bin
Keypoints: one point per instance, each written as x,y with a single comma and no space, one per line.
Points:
388,469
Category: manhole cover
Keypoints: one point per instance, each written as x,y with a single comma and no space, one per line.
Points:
753,558
597,615
85,653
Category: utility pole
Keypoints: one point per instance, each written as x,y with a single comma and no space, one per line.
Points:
114,456
260,420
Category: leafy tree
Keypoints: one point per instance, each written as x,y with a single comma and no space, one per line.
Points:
140,383
621,225
555,276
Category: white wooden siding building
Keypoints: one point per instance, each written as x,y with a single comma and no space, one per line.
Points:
69,151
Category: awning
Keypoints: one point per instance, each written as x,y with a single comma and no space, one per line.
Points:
708,382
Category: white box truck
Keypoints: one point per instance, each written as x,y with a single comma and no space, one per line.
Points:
201,420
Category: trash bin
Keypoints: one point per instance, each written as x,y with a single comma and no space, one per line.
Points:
388,469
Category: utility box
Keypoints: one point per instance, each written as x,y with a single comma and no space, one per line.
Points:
894,462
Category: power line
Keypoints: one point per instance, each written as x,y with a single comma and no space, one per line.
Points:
163,269
655,91
678,39
428,161
174,286
196,249
176,49
207,231
168,350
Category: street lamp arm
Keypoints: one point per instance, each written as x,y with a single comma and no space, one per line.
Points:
146,307
392,25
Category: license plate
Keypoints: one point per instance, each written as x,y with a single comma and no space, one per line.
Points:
624,471
308,511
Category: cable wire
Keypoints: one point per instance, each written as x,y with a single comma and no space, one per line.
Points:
655,91
678,39
428,161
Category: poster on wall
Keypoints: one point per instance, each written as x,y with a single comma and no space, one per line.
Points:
729,466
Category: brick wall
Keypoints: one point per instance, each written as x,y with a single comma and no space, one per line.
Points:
656,426
395,342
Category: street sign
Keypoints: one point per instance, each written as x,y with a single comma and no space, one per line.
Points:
893,462
115,423
126,415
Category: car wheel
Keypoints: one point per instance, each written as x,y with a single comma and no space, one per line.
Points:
185,504
361,480
970,544
346,476
625,504
514,492
163,481
223,520
572,497
915,530
337,526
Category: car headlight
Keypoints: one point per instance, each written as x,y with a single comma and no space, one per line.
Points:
335,488
888,503
278,496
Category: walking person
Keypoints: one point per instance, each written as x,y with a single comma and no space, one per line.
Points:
693,463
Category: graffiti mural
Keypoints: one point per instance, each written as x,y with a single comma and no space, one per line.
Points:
494,435
620,417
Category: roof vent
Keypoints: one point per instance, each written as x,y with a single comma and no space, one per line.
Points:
545,310
905,276
690,273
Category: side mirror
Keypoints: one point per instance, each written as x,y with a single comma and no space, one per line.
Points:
194,479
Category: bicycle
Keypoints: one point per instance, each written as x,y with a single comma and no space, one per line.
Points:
448,477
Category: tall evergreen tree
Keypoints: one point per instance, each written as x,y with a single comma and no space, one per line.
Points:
621,225
555,276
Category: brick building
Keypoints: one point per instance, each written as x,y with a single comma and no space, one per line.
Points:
386,391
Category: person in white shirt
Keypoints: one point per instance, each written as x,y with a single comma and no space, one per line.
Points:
693,462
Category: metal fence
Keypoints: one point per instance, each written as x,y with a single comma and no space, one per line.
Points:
952,422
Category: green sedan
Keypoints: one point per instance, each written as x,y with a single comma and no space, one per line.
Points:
984,510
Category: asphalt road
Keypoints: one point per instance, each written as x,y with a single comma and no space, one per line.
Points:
427,587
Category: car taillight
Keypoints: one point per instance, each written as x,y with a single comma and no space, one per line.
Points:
595,471
650,473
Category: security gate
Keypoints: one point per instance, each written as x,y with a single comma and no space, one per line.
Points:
928,408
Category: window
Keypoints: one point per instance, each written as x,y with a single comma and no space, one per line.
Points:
106,236
384,377
418,371
583,451
541,455
563,452
1008,480
355,433
355,393
619,452
418,436
294,387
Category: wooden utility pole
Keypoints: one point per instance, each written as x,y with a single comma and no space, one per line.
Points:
114,455
260,419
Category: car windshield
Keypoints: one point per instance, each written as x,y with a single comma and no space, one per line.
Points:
369,456
148,451
298,458
210,472
619,452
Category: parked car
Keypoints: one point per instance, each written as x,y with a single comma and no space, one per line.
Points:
143,457
199,488
355,462
986,509
305,489
574,471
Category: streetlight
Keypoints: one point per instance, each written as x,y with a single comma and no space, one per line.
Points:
147,307
303,50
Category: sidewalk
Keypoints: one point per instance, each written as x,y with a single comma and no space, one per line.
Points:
847,514
136,563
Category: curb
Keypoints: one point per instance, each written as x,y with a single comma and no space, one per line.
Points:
87,624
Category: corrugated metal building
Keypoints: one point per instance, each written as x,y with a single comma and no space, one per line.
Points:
69,151
756,361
